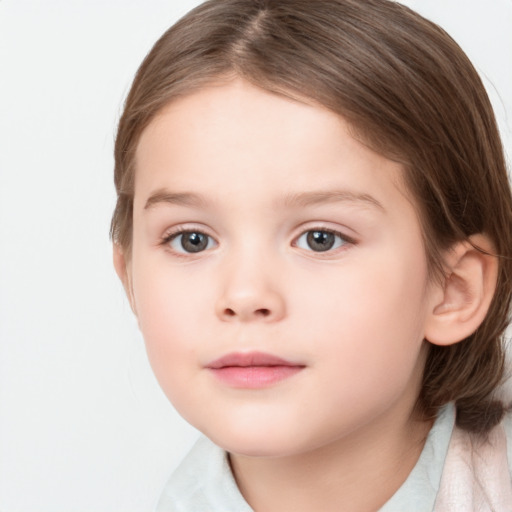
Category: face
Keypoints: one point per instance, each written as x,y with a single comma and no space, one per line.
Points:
277,272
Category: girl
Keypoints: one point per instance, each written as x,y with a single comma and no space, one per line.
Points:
313,228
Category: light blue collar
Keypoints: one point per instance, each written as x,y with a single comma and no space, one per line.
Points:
204,481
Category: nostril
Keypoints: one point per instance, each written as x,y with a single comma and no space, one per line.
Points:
246,314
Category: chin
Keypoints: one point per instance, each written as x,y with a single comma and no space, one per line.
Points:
256,449
257,442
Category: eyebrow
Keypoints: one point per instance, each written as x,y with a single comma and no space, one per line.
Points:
164,196
304,199
301,200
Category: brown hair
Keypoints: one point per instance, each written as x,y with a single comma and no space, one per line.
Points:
408,91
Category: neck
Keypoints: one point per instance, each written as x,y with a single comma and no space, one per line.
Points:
358,473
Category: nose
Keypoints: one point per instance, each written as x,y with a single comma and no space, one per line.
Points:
250,294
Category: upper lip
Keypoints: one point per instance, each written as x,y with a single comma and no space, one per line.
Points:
249,359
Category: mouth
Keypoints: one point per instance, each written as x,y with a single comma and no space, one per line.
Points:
253,370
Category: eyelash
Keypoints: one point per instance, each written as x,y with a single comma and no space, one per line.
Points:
343,240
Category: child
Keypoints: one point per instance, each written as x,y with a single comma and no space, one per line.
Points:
314,230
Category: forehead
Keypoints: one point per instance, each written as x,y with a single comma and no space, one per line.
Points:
237,138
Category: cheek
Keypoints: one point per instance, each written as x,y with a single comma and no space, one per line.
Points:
373,313
171,318
374,346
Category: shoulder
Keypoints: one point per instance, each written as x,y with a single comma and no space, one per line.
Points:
477,471
507,427
203,481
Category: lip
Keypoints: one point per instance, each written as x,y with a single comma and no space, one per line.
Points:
252,370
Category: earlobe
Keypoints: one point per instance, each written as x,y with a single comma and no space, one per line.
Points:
122,268
463,298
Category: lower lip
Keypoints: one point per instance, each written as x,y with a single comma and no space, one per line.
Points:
254,377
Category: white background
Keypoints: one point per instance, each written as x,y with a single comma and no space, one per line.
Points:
83,424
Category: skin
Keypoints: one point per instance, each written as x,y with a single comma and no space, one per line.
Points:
254,172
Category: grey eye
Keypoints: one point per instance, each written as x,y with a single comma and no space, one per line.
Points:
191,242
320,240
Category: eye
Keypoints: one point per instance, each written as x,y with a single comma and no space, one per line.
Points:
320,240
190,242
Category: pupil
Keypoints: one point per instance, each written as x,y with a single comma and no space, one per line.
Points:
320,240
194,242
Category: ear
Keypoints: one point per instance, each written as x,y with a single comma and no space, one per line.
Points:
461,301
123,271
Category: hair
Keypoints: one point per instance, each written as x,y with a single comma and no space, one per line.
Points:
407,90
